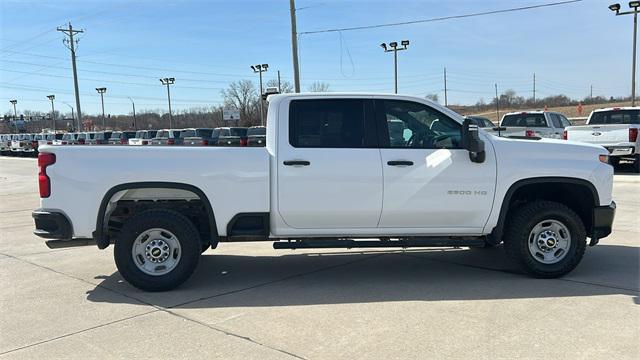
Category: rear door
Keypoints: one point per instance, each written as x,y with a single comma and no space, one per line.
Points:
328,166
429,181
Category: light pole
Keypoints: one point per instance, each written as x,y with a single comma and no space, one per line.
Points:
634,5
15,113
394,48
260,69
73,116
101,91
169,81
53,112
135,125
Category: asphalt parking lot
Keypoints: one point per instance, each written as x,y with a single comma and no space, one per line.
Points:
250,301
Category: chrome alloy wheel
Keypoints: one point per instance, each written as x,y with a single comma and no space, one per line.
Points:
549,241
156,251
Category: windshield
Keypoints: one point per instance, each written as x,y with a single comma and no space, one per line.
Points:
256,131
615,117
524,120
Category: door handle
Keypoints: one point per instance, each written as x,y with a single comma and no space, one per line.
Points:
399,163
296,163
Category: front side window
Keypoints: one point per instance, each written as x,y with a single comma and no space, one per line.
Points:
415,125
327,123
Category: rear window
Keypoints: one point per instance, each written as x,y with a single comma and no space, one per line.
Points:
238,132
256,131
524,120
188,133
615,117
334,123
129,134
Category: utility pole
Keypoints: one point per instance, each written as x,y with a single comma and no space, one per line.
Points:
167,82
497,104
135,124
394,48
634,5
279,87
15,113
294,46
53,112
534,89
101,91
73,117
446,102
591,93
259,69
70,44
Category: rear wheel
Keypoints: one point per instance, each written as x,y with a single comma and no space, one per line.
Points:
157,250
545,239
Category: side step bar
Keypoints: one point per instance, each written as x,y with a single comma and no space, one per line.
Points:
399,243
59,244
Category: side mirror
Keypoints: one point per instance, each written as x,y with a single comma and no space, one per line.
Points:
471,141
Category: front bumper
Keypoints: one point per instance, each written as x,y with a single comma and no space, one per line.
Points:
602,222
52,225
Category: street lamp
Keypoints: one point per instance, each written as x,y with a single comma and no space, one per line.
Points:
53,112
73,116
15,113
260,69
135,125
393,47
101,91
634,5
169,81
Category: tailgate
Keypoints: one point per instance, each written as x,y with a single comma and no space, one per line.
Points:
599,134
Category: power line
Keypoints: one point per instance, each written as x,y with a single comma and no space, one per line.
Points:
523,8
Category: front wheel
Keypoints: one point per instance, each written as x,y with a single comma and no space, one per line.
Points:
157,250
545,239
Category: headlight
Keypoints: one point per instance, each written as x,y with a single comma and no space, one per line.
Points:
604,158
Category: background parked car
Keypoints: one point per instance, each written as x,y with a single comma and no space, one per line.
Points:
483,122
121,137
232,136
257,136
5,144
196,137
538,123
142,137
83,138
100,138
67,139
49,138
166,137
21,144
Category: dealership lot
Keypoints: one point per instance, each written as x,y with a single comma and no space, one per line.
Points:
250,301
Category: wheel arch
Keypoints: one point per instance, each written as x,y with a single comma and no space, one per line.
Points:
556,183
100,233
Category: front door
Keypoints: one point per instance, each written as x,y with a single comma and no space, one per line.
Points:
329,169
429,181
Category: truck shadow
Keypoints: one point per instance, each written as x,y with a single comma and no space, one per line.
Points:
379,276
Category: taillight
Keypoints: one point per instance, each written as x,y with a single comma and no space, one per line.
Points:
243,142
34,144
145,142
64,143
205,142
81,141
49,142
529,133
123,141
171,142
565,135
633,134
44,183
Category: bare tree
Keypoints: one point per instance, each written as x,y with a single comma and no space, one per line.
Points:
319,86
242,95
285,86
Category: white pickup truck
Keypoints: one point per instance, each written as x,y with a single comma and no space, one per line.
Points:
330,177
536,123
614,128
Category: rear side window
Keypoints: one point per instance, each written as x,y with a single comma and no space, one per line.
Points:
331,123
615,117
555,119
524,120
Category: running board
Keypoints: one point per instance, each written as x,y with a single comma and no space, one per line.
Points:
59,244
396,243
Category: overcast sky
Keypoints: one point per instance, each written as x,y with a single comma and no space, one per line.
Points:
128,45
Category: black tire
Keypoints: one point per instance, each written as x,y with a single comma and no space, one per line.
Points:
614,161
521,223
186,234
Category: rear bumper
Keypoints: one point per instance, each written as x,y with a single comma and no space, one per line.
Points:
52,225
602,222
